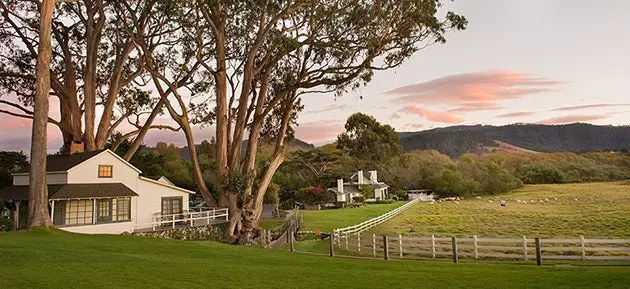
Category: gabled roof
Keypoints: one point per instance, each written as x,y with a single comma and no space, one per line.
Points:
62,163
354,189
71,191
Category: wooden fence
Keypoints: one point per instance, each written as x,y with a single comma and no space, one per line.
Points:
361,227
523,248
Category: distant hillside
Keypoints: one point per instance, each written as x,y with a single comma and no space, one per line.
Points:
292,144
576,137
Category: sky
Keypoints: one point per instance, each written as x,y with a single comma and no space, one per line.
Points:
535,61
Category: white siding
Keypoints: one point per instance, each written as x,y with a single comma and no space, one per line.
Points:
111,228
150,200
51,179
87,172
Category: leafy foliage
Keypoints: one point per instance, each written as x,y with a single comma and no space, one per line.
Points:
9,163
367,139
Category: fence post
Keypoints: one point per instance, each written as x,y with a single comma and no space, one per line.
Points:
173,221
154,219
385,247
538,252
433,246
374,244
359,242
476,253
583,248
332,245
454,242
400,246
525,248
292,238
346,236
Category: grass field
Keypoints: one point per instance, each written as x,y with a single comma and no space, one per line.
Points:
595,210
328,220
56,259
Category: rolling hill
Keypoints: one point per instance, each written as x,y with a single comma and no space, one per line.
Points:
577,137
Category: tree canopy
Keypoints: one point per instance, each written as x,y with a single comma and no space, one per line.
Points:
367,139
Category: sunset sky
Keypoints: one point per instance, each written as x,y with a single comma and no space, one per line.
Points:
536,61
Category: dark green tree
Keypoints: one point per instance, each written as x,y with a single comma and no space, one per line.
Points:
368,139
9,163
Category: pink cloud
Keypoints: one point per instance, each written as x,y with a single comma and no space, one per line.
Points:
319,131
477,89
437,116
329,108
477,106
570,108
10,122
573,118
517,114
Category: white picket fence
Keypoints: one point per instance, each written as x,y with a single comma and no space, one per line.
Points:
485,248
358,228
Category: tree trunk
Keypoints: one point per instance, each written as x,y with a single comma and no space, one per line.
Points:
37,189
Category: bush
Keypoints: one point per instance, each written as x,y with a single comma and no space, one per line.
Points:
358,199
381,202
5,224
401,195
541,174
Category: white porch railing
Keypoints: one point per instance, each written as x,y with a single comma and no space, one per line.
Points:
187,218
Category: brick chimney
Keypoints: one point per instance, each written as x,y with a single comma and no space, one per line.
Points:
76,147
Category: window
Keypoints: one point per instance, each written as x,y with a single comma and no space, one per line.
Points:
123,209
76,212
104,211
82,212
172,205
105,171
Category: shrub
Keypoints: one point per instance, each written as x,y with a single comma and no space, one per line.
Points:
381,202
541,174
358,199
401,194
5,224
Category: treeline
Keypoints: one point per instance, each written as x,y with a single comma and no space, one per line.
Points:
499,172
577,137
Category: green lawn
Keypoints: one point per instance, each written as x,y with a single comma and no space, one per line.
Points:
41,259
328,220
595,210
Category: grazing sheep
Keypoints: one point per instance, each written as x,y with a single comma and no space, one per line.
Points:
478,197
532,201
490,201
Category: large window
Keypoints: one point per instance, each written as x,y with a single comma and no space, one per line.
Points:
81,212
104,211
105,171
78,212
123,209
171,205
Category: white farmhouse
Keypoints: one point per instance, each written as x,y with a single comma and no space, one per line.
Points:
345,191
100,193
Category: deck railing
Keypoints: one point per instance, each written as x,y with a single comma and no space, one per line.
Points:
192,218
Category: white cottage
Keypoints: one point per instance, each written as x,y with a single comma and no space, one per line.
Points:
101,193
345,191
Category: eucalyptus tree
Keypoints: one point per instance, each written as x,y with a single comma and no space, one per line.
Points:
38,189
95,73
257,59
